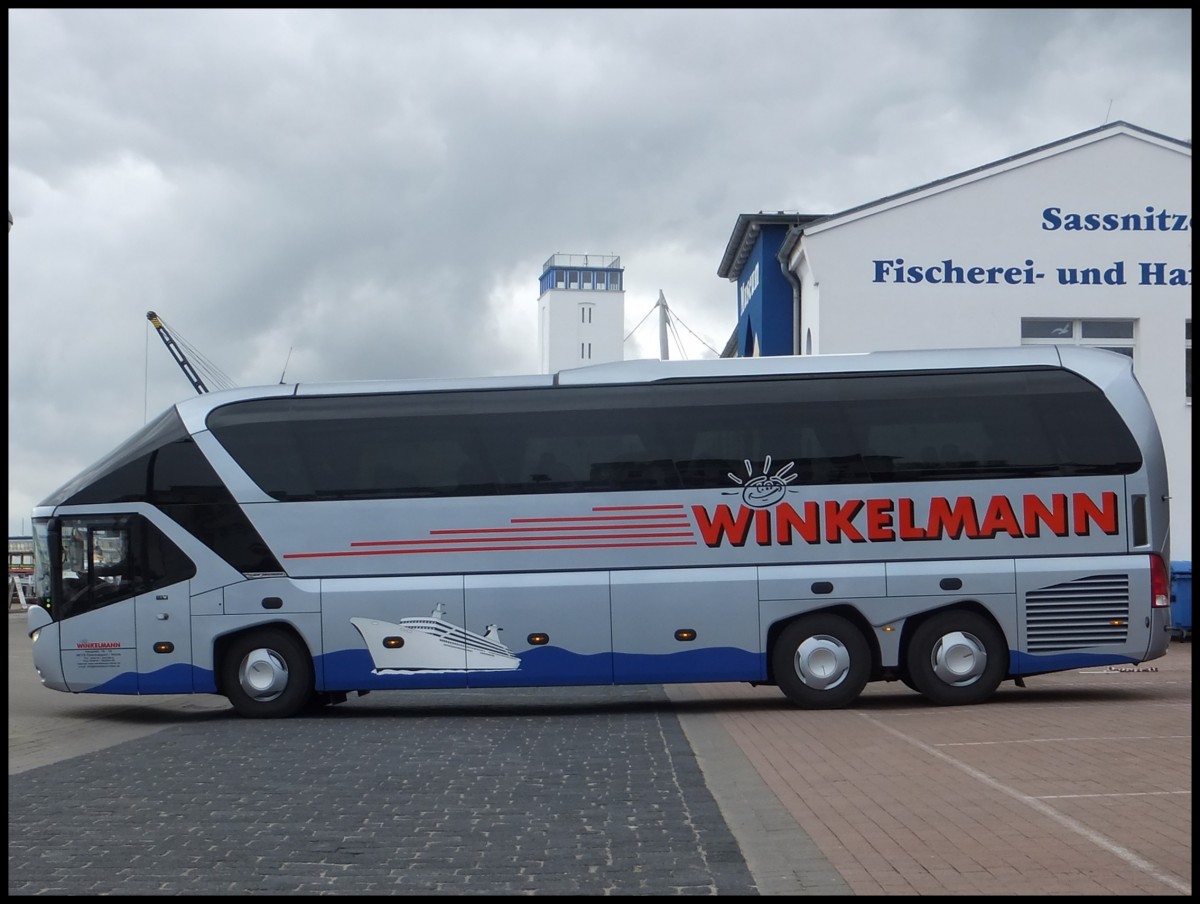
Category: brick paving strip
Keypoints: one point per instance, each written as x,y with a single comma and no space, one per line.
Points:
1079,784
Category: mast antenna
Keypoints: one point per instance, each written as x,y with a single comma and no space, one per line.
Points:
285,364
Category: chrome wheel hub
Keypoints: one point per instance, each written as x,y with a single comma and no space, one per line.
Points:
958,658
263,674
822,662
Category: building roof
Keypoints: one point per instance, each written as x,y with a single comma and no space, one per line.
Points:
1054,147
745,234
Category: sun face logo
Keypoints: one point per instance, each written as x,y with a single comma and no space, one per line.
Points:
765,489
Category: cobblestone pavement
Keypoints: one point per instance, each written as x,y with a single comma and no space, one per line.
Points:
564,791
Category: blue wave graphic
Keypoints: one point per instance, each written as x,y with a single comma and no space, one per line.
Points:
349,670
180,678
125,683
709,664
1028,664
550,666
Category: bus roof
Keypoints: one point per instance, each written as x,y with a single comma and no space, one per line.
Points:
1095,364
648,370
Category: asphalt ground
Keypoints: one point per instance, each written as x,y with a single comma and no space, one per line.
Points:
1079,783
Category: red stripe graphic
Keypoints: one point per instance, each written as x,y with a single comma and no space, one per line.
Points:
401,552
516,540
559,527
635,508
640,530
682,517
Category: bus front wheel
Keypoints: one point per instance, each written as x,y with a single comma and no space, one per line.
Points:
267,674
821,662
957,658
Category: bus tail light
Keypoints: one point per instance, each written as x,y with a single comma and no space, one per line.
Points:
1160,583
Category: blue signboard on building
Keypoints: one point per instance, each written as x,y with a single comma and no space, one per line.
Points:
765,296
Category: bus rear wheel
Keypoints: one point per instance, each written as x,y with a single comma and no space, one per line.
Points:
821,662
267,674
957,658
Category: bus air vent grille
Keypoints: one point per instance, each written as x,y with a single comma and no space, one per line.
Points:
1087,612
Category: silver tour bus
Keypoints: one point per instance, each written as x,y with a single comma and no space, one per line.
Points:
949,519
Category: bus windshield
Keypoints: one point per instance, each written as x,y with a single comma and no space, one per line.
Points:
41,561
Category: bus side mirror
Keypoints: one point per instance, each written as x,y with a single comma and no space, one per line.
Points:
38,618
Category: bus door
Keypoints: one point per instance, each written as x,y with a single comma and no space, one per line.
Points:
98,640
122,603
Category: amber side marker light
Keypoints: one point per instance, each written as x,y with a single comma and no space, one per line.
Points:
393,642
164,646
685,634
538,640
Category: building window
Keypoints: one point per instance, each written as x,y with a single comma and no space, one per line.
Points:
1187,359
1113,335
585,313
585,350
560,279
572,279
587,279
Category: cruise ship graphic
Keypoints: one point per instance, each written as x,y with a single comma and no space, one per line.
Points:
432,644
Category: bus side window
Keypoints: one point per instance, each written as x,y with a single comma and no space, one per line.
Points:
123,555
96,567
382,479
547,469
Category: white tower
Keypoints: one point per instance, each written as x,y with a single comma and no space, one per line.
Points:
581,311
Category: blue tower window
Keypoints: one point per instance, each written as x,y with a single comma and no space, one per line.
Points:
582,272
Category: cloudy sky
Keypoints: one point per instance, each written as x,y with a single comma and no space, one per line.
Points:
372,194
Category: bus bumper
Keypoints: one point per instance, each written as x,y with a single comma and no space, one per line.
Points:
1160,633
47,658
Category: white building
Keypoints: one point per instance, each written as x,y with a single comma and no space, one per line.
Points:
581,311
1087,240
